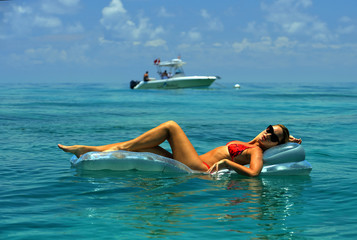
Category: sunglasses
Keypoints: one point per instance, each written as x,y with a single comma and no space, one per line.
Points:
274,137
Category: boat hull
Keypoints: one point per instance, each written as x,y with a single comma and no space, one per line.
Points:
179,82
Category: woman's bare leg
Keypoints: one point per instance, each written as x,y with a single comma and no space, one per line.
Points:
158,150
182,149
151,139
79,150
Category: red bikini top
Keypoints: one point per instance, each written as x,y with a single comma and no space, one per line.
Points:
236,149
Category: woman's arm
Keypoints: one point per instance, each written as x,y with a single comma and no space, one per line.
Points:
254,169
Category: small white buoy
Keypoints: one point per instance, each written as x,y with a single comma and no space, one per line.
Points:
237,86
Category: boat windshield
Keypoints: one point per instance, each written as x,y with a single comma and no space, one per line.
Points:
170,69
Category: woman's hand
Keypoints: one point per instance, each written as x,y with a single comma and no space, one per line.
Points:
218,166
295,140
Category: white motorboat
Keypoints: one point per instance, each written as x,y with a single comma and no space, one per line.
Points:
172,76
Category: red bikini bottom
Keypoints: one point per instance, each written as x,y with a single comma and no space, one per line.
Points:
206,165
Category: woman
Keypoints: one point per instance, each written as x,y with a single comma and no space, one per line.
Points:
233,155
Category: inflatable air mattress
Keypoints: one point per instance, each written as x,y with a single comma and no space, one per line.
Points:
285,159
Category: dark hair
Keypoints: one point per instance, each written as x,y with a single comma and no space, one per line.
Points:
286,134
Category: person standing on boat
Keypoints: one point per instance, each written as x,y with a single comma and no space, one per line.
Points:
146,76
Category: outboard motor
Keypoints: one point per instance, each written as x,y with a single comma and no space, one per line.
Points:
133,83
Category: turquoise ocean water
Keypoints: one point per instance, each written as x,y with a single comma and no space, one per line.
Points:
42,197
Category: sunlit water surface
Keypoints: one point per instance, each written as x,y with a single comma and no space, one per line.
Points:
42,197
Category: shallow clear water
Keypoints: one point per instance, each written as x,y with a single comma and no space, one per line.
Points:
42,197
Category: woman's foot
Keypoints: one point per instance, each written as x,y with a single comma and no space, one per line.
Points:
77,150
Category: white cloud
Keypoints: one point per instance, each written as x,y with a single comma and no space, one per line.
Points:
17,13
184,46
284,42
345,19
294,27
213,23
51,55
114,9
22,20
348,27
192,35
251,27
156,43
103,41
59,6
205,14
164,13
304,3
266,44
144,28
241,46
43,55
47,22
18,20
283,46
321,32
263,45
75,28
257,29
22,10
69,3
290,17
351,48
346,30
118,22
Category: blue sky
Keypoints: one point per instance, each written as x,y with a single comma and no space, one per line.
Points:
114,41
